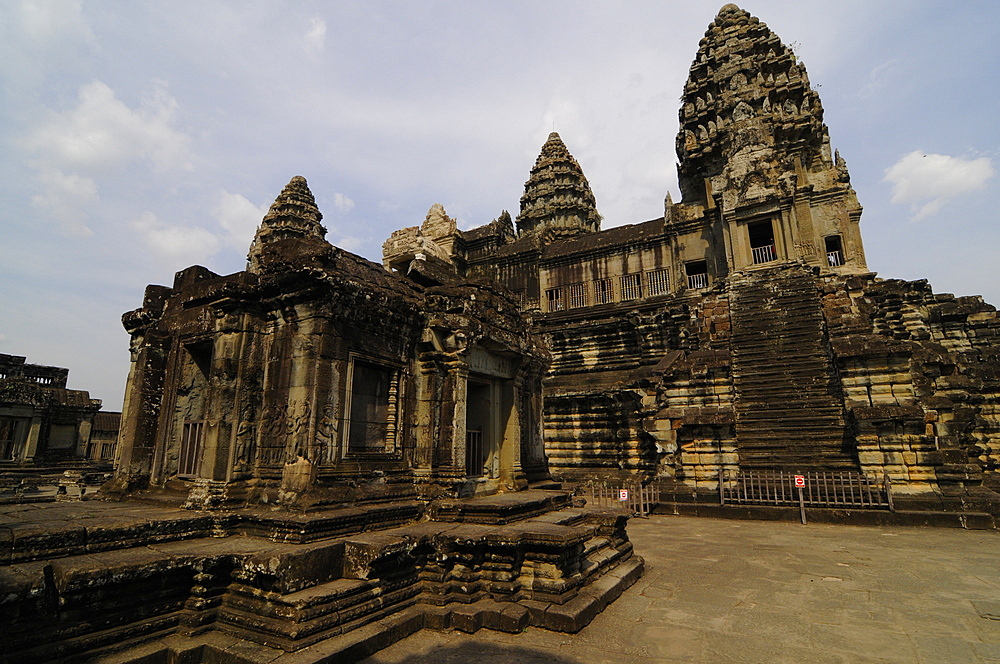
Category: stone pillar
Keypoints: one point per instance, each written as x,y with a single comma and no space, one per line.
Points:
30,449
426,420
511,472
454,410
141,411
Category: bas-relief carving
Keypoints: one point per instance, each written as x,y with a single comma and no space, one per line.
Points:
297,423
246,440
327,436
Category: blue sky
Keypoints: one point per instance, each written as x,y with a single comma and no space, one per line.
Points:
139,138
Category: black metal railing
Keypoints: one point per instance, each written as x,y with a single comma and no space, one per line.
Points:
628,495
809,489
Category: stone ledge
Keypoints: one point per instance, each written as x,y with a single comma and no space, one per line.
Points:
369,639
857,517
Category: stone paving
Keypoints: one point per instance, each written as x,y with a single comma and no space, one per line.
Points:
739,591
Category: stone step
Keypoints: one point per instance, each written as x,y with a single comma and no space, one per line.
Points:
787,393
500,508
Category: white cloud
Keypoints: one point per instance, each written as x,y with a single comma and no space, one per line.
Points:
238,217
349,242
927,181
878,77
342,202
176,245
101,131
315,38
65,196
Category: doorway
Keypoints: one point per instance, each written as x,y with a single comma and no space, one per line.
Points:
481,448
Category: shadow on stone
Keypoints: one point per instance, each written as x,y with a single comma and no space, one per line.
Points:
476,651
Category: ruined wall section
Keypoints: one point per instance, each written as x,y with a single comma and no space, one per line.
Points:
693,417
921,375
644,392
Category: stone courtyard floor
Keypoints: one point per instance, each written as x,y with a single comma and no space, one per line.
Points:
753,591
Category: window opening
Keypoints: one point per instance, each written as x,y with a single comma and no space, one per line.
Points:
555,299
697,274
577,295
201,355
373,394
479,430
658,282
10,434
190,454
762,241
602,291
631,287
834,251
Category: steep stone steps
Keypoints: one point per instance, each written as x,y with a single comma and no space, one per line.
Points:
789,411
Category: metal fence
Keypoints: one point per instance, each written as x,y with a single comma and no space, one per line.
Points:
628,495
806,489
475,453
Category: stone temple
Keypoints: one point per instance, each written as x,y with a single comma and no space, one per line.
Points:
742,329
367,450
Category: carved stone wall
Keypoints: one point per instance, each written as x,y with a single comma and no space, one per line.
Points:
316,377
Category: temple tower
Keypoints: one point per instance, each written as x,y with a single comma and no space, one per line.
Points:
292,215
754,154
557,197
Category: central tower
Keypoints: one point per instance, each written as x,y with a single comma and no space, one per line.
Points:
755,161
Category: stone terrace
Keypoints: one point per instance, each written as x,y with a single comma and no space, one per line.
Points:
726,591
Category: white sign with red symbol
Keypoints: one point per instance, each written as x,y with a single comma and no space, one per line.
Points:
623,495
800,481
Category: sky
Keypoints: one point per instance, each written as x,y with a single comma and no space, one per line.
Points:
138,138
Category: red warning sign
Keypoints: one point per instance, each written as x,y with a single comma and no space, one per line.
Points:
623,495
800,481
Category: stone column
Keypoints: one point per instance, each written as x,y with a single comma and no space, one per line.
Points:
141,411
426,419
30,448
452,435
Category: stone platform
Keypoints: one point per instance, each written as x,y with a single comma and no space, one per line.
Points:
747,592
94,579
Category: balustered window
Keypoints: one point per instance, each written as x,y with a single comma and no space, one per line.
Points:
603,293
834,251
697,274
374,398
577,294
762,242
190,454
658,282
554,297
631,286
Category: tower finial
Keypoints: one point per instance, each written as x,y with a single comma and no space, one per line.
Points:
293,214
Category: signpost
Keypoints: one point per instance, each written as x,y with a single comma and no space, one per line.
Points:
800,484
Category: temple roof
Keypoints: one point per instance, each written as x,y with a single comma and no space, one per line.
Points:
619,236
557,195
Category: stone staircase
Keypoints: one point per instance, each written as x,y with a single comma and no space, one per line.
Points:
789,412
